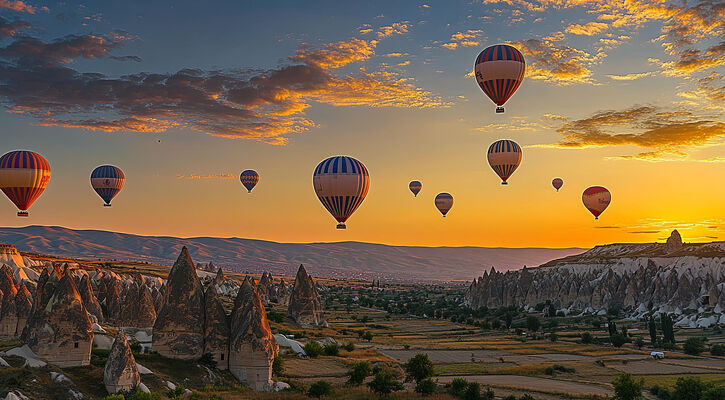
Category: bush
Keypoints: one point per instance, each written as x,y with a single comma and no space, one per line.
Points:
313,349
553,336
617,340
135,346
472,392
114,397
426,387
278,365
208,360
694,345
331,349
358,373
627,388
718,349
349,346
419,367
587,338
457,387
319,389
639,342
275,316
368,336
177,393
384,383
532,323
139,395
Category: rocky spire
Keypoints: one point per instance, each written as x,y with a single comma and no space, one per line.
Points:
220,278
89,299
113,299
216,328
252,347
120,373
674,242
179,327
8,316
137,310
23,307
305,305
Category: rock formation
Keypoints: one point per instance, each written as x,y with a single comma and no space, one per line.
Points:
60,331
8,315
23,307
220,278
252,347
674,242
305,305
89,299
179,328
265,287
120,373
137,310
216,328
112,300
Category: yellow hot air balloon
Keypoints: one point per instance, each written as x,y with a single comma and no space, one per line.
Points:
596,199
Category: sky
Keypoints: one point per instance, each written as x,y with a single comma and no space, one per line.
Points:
183,96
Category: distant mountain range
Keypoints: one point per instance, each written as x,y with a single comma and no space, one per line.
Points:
333,260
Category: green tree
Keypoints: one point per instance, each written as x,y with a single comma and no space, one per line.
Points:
639,342
652,330
313,349
349,346
278,365
553,336
718,349
457,387
368,336
508,319
426,387
668,329
114,397
319,389
587,338
694,345
359,372
385,383
688,389
617,340
419,367
627,388
532,323
472,392
331,349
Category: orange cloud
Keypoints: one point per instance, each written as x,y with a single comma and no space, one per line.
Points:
551,60
18,6
629,77
397,28
468,38
588,29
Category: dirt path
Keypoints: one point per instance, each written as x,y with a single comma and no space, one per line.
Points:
537,384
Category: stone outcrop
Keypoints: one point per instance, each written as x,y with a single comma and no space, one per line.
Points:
120,373
305,305
265,287
137,310
8,315
252,347
60,331
89,299
674,242
23,307
216,328
179,328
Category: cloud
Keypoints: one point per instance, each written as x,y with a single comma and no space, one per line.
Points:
207,176
19,6
551,60
8,29
664,133
267,105
397,28
630,77
468,38
126,58
588,29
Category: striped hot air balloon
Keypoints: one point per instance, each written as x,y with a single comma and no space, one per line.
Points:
107,181
557,183
24,175
504,156
341,184
249,179
596,199
415,187
499,72
444,203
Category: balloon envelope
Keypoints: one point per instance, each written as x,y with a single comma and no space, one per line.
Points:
499,71
107,181
24,175
341,184
415,187
249,179
444,202
596,199
504,156
557,183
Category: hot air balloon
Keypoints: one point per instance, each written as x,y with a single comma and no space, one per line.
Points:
107,181
499,71
504,156
249,179
596,199
557,183
444,202
23,177
415,187
341,184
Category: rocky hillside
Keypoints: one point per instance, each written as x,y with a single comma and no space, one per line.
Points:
342,259
685,279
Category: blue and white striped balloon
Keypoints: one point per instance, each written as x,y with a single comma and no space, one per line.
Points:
341,184
107,181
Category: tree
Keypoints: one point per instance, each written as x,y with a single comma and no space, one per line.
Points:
587,338
652,330
688,389
457,387
419,367
359,372
668,329
319,389
718,349
368,336
639,342
472,392
508,319
617,340
349,346
385,383
495,323
532,323
612,326
278,365
426,387
553,336
694,345
331,349
313,349
552,311
627,388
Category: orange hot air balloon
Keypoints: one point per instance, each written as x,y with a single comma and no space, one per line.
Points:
444,203
557,183
341,183
499,71
504,156
24,175
415,187
596,199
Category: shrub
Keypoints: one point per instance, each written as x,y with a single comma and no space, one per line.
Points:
527,397
275,316
718,349
331,349
139,395
177,393
319,389
532,323
627,388
457,387
358,373
135,346
426,387
639,342
553,336
313,349
472,392
349,346
114,397
384,383
587,338
367,336
208,360
617,340
278,365
419,367
694,345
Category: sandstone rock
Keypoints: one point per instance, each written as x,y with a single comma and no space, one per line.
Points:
8,316
216,328
138,308
252,347
120,373
23,307
113,299
305,305
89,299
179,327
674,242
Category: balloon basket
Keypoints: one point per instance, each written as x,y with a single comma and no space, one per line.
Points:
249,191
504,183
341,226
106,205
499,110
23,214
